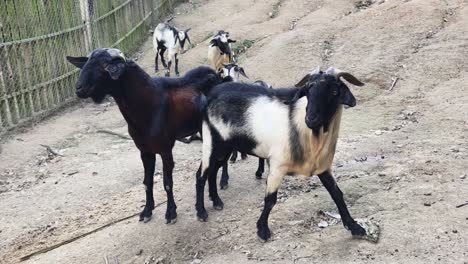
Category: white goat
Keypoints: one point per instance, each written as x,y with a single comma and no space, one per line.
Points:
167,37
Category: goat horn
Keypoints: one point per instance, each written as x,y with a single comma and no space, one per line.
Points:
315,71
116,53
346,75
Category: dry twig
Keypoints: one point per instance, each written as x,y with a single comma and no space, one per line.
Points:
47,249
113,133
51,150
393,83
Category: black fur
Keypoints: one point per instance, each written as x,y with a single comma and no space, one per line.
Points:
157,110
297,150
230,101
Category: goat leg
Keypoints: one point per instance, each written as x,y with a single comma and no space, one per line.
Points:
329,182
223,184
273,183
149,163
202,215
260,169
161,53
213,189
156,61
176,67
168,69
168,166
233,157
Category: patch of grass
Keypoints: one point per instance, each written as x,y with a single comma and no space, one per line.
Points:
240,47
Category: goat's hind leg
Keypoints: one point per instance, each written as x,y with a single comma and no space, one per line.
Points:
224,183
213,189
329,182
260,169
273,183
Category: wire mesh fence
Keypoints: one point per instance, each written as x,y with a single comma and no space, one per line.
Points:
36,35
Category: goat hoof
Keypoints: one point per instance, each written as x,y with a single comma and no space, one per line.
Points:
223,185
177,74
202,216
258,175
171,217
146,214
218,204
171,221
167,74
232,160
357,230
264,234
243,156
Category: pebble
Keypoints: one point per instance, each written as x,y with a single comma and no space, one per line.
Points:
196,261
323,224
378,132
381,174
427,204
462,176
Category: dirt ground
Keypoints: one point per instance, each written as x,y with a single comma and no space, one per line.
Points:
401,158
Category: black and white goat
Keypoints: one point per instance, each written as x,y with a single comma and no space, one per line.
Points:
219,50
167,37
298,137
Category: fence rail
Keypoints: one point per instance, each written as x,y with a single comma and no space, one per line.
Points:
36,35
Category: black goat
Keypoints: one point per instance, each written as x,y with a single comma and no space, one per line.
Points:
157,110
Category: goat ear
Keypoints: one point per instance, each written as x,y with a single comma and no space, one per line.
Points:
214,42
187,30
304,80
347,98
242,72
115,70
231,41
301,92
77,61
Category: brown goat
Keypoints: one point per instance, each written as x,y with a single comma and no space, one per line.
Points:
158,111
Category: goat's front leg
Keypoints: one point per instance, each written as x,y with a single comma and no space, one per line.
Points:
149,163
161,53
329,182
156,61
170,56
176,68
168,166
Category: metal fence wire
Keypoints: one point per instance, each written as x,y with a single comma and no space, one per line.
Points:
36,35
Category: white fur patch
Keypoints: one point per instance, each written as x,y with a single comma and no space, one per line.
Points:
270,126
206,146
224,129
